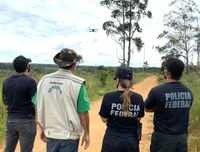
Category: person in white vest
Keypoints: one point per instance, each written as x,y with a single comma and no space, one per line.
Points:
63,105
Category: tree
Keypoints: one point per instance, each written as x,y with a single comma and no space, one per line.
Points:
181,30
126,15
198,49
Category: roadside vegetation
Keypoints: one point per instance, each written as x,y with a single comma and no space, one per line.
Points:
193,81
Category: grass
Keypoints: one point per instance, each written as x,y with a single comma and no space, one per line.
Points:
193,81
2,113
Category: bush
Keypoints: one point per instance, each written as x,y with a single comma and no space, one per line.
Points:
193,81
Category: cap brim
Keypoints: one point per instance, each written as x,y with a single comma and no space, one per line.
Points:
62,63
78,58
29,60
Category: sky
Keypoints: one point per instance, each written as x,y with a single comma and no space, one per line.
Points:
39,29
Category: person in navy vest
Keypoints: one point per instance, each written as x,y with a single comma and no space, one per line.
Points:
122,110
17,92
171,103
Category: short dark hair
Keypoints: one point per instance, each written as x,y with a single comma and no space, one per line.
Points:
175,67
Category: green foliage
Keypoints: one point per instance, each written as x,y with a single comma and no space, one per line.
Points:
3,74
194,68
126,15
193,81
140,76
98,80
180,31
2,117
103,74
103,77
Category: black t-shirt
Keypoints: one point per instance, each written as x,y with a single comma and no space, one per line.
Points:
111,108
172,102
17,92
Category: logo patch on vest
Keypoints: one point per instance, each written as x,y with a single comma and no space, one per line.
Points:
55,87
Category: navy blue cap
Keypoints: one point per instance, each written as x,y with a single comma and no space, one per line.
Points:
124,73
20,62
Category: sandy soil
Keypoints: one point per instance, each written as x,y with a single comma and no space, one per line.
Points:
97,128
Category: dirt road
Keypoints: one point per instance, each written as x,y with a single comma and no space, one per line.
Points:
97,128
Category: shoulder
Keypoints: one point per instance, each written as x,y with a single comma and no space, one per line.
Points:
51,75
136,94
30,80
67,74
184,85
78,79
42,79
159,88
136,97
5,81
48,75
7,78
26,78
187,88
109,95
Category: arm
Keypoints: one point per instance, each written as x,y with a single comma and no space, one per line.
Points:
103,112
84,116
42,135
4,97
150,110
150,102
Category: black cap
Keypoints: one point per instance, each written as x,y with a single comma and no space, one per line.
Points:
20,62
124,73
66,57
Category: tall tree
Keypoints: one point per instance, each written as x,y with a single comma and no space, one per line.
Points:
198,45
126,15
180,30
198,51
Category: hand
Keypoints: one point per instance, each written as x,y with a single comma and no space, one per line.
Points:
85,140
42,136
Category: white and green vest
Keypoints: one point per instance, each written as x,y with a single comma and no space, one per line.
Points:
57,98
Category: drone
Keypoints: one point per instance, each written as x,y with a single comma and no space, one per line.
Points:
93,30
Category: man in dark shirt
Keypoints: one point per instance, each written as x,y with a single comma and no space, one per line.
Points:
17,92
171,103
